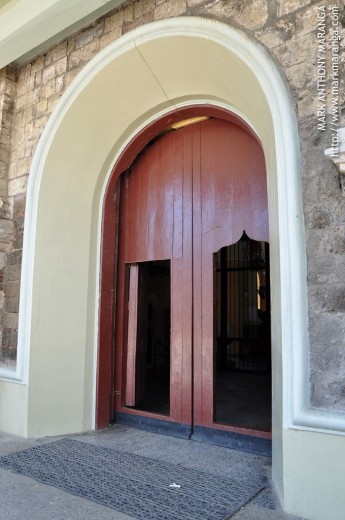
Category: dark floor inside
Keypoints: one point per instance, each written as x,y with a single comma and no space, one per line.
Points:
242,346
243,399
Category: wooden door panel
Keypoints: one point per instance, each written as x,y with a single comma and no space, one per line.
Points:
229,185
132,336
189,194
182,310
233,185
155,225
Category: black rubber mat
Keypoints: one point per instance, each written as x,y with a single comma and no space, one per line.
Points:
137,486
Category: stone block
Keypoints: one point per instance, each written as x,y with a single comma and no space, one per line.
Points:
289,6
84,38
306,20
301,75
61,66
109,37
149,17
114,21
27,136
318,218
59,84
276,35
9,338
148,6
52,101
51,88
307,103
28,151
37,64
12,304
3,187
70,46
9,88
327,360
14,258
3,170
170,8
12,166
23,166
21,102
297,50
128,13
12,289
6,209
48,74
28,115
83,54
41,107
193,3
71,74
138,10
327,298
6,230
18,186
25,84
11,320
59,51
32,97
13,272
251,14
11,73
8,356
5,138
4,154
19,204
17,118
99,28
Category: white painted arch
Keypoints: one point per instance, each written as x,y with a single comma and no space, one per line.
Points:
136,79
126,86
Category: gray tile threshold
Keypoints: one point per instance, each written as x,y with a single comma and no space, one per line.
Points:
24,498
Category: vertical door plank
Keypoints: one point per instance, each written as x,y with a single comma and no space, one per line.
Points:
198,359
131,377
189,194
230,181
184,284
153,227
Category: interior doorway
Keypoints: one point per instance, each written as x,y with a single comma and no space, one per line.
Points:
242,321
192,329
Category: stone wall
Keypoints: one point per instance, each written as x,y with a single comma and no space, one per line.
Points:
288,29
8,316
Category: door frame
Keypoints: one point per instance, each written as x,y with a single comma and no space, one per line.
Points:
109,250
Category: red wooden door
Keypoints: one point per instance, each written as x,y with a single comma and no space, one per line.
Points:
190,193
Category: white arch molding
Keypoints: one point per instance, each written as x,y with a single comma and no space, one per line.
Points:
135,80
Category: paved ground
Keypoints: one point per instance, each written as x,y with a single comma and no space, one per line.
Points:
22,498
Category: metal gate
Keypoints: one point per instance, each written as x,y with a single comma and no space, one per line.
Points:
242,310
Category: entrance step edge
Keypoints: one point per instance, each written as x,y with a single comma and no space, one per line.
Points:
236,441
182,431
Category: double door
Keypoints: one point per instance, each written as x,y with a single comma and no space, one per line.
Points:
190,194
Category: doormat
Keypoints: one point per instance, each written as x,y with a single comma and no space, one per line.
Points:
137,486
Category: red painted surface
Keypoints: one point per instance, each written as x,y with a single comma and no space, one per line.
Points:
229,187
132,336
192,192
156,223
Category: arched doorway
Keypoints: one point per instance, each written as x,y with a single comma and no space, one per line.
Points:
211,63
192,346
